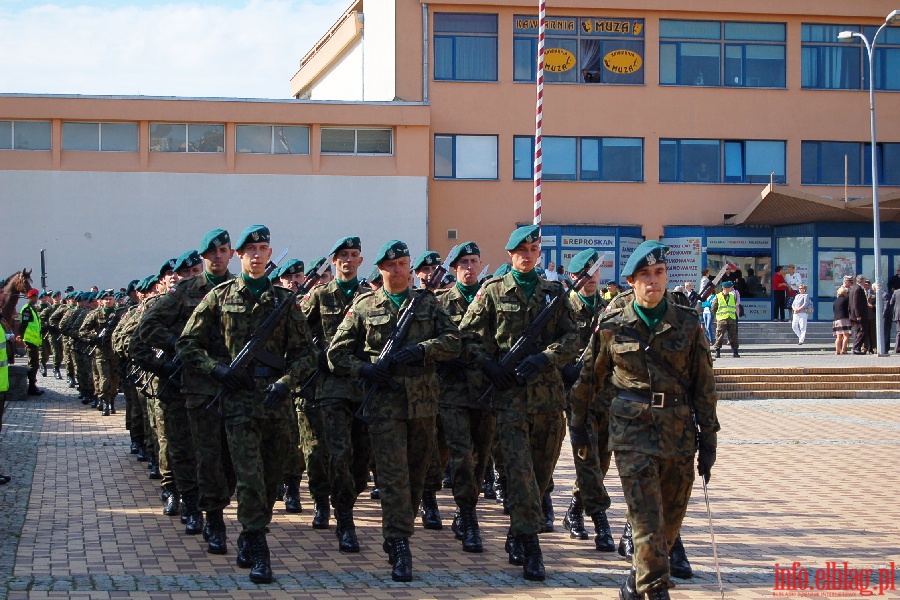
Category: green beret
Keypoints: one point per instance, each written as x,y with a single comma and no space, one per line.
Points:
69,288
213,239
583,260
57,294
255,234
147,283
502,270
42,295
524,235
465,249
375,275
291,267
2,283
189,259
169,265
132,286
727,284
429,258
347,243
119,295
315,266
648,253
391,250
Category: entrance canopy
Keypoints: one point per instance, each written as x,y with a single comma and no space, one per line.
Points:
789,207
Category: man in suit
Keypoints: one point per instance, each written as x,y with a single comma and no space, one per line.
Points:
859,316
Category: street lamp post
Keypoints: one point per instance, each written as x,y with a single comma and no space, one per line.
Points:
846,36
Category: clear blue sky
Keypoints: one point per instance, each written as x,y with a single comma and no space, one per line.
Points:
205,48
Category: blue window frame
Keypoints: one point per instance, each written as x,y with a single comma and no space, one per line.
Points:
465,47
581,158
822,163
692,53
721,161
465,156
833,65
580,50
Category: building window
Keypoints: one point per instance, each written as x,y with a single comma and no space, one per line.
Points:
465,157
581,159
100,137
721,161
832,65
271,139
356,141
580,50
822,163
185,137
24,135
691,53
465,47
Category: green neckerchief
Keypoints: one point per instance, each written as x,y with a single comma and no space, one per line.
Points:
348,287
397,298
650,316
256,286
468,291
213,280
109,309
589,300
526,282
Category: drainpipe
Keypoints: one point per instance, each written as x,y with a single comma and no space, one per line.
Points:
425,53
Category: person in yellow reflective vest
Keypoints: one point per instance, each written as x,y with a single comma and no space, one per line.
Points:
725,308
6,337
30,333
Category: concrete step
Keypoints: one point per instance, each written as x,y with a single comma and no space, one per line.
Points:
807,395
807,382
813,379
775,387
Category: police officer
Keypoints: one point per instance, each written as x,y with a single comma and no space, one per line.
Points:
254,401
345,437
655,355
402,429
529,399
30,333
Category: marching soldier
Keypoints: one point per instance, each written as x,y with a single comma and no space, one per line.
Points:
53,336
529,399
97,329
405,403
254,401
656,357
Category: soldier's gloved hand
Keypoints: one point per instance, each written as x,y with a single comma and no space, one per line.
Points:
168,369
579,436
375,374
277,393
532,365
413,355
500,376
323,362
570,374
455,364
233,379
706,458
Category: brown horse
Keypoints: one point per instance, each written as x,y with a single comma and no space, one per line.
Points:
16,285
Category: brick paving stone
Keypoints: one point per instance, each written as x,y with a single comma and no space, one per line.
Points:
796,480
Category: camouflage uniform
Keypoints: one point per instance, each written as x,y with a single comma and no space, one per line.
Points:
654,446
257,436
101,322
66,347
69,325
402,428
468,425
121,337
345,437
529,417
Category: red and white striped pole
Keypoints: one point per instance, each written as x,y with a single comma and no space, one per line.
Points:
539,113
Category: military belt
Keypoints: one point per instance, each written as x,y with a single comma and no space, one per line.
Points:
265,372
654,399
408,371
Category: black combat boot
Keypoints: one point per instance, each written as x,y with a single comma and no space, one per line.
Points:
323,513
215,524
533,569
43,370
345,530
658,593
626,544
402,570
292,495
172,501
515,550
490,479
142,453
679,566
573,522
628,591
112,406
471,540
456,526
431,516
375,494
56,373
261,571
547,509
184,514
105,409
604,539
194,523
244,557
153,465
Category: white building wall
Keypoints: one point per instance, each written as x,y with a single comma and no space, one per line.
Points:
345,80
106,229
379,33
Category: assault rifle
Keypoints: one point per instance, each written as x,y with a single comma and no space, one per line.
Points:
105,334
525,345
397,337
254,348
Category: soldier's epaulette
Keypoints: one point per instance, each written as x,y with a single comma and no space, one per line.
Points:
363,296
314,289
490,281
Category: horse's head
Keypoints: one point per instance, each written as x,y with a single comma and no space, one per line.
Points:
19,282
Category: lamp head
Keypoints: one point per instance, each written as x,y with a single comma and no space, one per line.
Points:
892,18
845,36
